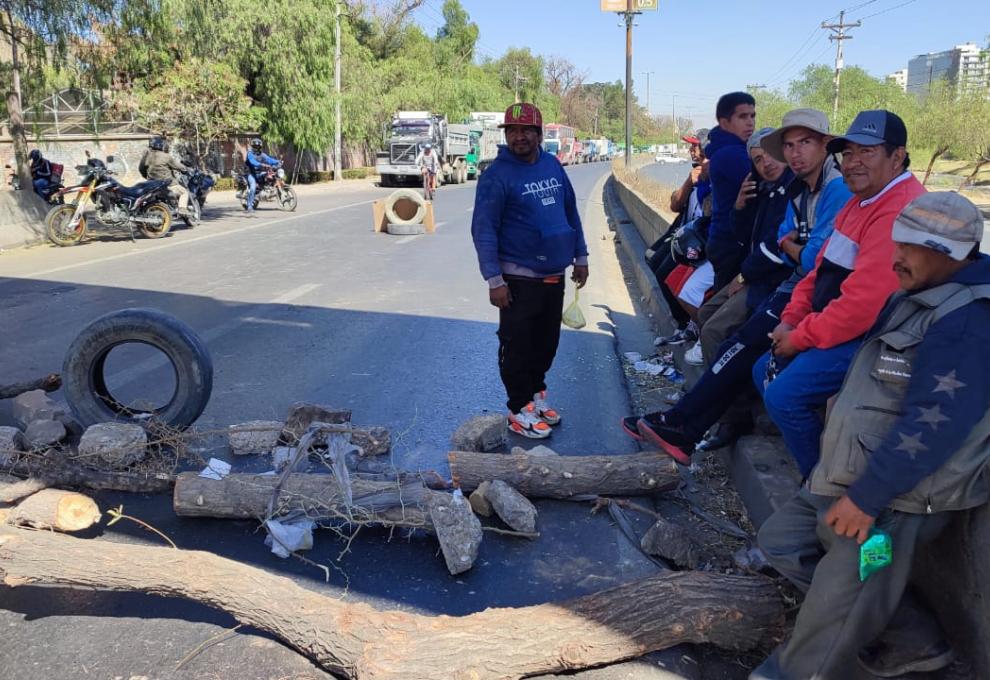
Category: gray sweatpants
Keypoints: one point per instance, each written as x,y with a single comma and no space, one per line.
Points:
840,614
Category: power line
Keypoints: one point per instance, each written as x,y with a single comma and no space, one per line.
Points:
889,9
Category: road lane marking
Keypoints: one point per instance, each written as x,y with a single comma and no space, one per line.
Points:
174,244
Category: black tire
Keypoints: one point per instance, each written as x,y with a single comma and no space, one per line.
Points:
287,200
83,369
55,222
161,212
195,215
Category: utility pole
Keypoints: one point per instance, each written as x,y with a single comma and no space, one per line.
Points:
630,16
338,162
838,35
673,115
647,74
517,79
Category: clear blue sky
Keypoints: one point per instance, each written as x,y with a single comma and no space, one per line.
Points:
699,49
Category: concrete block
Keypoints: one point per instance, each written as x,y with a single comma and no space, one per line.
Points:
480,433
116,444
44,433
255,436
36,405
478,502
511,506
764,474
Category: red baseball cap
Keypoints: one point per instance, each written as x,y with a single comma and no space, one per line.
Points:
523,114
691,139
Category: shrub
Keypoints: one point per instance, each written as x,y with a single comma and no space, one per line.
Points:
355,173
225,184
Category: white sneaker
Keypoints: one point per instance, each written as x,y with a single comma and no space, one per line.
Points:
528,424
694,356
546,412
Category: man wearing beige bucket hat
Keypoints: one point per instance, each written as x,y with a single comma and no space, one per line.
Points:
905,448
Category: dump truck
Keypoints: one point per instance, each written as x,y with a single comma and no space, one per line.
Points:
408,133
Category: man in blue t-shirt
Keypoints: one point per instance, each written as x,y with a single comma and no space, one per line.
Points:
527,231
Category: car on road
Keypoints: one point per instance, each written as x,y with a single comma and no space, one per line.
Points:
666,157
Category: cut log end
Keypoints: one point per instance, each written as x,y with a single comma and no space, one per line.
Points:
56,509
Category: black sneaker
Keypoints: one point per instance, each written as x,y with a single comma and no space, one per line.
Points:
886,661
670,439
726,434
629,427
688,334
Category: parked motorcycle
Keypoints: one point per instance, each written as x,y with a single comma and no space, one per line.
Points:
271,187
117,207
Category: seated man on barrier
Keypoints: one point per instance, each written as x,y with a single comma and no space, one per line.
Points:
815,196
906,446
837,302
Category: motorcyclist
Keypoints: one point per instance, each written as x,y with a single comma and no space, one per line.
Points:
41,173
429,162
256,162
158,164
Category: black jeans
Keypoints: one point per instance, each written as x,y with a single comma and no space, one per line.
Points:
528,334
731,373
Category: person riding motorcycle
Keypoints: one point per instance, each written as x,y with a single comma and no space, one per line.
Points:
158,164
41,173
429,162
256,162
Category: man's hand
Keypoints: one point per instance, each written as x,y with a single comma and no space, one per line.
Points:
704,170
695,175
791,247
500,297
846,519
580,275
747,191
781,338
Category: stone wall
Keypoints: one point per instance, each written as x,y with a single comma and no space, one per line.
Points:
70,152
22,218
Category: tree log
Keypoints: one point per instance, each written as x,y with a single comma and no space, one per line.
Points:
358,641
67,473
247,496
13,489
56,509
49,383
566,476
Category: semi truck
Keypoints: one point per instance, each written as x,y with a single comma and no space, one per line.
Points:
559,140
486,137
408,133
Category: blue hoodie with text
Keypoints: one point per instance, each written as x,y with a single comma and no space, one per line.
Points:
526,214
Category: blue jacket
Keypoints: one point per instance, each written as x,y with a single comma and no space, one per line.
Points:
953,354
728,165
255,160
764,267
832,196
526,213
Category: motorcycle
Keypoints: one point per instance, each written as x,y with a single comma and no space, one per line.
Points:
198,184
271,187
117,207
49,194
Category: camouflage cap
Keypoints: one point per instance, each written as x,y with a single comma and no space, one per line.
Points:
941,220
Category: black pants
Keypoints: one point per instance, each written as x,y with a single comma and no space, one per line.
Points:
528,334
732,372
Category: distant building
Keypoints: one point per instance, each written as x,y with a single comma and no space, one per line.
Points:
967,66
899,78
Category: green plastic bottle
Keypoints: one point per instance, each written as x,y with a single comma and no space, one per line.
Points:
876,553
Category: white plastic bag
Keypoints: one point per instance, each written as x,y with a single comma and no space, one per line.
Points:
573,317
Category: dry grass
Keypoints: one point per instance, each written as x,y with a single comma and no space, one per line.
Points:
655,194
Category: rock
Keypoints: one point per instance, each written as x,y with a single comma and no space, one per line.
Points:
74,428
255,436
538,450
44,433
117,444
512,507
458,530
478,502
301,414
11,439
35,405
484,434
518,451
373,441
670,541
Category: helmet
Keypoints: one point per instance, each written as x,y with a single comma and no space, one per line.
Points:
688,247
523,114
256,144
34,156
157,143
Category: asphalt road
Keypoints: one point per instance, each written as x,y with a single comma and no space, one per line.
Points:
315,306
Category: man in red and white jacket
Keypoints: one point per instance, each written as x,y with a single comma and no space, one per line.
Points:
836,303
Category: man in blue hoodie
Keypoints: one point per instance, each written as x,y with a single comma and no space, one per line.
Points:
728,165
527,231
904,450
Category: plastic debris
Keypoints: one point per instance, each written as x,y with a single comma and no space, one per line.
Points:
876,553
285,538
215,469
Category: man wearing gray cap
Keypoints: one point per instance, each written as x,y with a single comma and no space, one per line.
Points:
905,447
